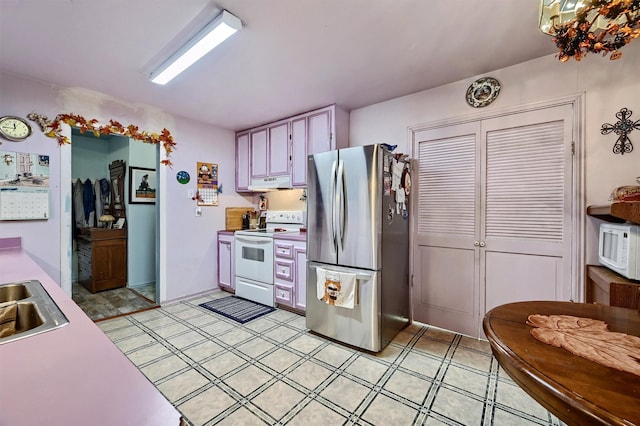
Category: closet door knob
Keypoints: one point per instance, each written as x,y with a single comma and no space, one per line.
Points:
476,243
482,244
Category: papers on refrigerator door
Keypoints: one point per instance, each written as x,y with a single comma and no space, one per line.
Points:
336,288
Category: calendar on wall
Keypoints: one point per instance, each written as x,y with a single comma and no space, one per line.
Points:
24,203
24,186
207,184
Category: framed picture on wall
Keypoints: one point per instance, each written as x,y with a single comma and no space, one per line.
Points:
142,185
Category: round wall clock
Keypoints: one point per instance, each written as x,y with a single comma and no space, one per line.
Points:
483,91
15,129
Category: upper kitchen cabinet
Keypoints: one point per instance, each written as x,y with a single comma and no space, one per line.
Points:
262,153
259,148
243,162
317,131
279,157
275,155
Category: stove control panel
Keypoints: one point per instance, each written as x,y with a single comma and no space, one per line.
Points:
294,216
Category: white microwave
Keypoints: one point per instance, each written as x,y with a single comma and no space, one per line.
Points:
619,248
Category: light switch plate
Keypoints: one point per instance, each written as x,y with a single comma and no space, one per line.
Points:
198,211
191,193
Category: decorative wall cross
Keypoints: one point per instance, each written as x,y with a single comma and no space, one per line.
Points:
622,128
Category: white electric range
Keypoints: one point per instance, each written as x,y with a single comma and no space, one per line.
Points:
254,255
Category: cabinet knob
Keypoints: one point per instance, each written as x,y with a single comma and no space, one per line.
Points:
482,244
476,243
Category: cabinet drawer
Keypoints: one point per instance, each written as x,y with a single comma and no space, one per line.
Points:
284,269
283,250
284,294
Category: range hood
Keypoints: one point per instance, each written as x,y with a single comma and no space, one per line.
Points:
270,183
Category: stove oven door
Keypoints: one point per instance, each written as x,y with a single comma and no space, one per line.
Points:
254,258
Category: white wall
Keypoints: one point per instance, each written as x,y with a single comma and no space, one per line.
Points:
40,238
191,240
283,200
141,218
608,85
188,243
89,159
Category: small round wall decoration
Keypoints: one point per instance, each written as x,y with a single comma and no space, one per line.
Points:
483,91
183,177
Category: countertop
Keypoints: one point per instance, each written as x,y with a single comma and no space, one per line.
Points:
72,375
575,389
295,236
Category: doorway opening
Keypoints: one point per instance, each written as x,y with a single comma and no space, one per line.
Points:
113,258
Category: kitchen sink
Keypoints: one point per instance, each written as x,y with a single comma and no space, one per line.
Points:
28,317
36,311
12,292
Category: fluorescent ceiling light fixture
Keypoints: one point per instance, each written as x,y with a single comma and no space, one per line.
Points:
217,31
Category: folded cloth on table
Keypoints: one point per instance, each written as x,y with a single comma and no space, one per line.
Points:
8,315
336,288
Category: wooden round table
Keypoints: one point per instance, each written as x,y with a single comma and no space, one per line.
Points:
578,391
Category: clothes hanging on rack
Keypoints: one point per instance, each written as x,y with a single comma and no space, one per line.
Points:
88,200
91,200
78,206
102,192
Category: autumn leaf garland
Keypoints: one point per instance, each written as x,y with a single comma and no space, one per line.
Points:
53,129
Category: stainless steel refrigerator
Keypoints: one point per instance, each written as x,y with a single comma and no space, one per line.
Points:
355,226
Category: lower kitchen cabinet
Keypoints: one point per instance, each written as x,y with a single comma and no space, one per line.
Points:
300,293
102,259
226,270
290,270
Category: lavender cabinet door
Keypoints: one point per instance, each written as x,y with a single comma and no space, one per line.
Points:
310,134
300,290
259,158
299,152
279,149
319,132
243,163
225,261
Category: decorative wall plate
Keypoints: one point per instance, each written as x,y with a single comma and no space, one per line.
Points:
183,177
483,91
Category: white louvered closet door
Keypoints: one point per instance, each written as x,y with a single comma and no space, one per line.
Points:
526,207
492,216
446,274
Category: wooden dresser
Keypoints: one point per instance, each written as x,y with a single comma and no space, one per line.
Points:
603,285
102,259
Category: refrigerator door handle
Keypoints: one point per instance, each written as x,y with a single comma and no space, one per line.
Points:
341,204
333,202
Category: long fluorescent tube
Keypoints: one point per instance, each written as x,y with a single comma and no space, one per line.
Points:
217,31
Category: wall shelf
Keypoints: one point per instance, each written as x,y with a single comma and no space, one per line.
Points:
617,212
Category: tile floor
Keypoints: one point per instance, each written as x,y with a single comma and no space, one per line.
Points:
112,303
146,290
272,371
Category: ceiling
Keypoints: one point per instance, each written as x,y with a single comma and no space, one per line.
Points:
290,57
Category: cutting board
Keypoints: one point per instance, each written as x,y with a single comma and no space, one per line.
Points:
233,217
